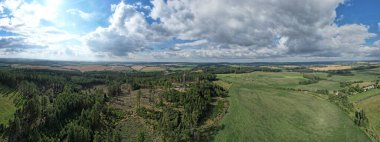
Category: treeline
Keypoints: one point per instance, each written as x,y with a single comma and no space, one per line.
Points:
340,72
348,83
341,100
365,67
226,69
350,89
311,79
301,69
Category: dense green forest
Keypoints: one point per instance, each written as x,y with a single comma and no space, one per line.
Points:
70,106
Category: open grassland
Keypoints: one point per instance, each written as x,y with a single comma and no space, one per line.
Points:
365,95
261,110
372,108
357,76
332,83
323,84
7,109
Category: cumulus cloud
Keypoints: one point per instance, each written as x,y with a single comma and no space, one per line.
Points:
233,29
24,21
307,26
14,43
128,32
220,29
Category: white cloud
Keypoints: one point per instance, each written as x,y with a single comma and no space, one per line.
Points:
84,15
128,32
307,27
233,29
220,29
194,43
124,34
377,43
24,21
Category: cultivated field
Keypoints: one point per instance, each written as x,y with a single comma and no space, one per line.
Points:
260,110
137,67
152,68
331,68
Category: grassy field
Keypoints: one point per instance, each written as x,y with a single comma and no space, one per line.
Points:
261,111
7,109
372,108
364,95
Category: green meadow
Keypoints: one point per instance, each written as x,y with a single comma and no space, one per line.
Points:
372,108
262,110
365,95
7,109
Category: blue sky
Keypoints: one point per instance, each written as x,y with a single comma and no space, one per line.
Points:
361,12
190,30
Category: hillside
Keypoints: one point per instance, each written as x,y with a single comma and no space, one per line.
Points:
261,111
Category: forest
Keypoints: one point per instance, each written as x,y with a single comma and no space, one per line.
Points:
77,106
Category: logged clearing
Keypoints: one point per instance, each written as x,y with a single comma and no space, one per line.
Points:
261,111
152,68
86,68
331,68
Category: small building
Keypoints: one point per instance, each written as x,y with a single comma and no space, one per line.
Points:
368,88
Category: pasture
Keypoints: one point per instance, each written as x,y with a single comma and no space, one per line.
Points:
365,95
372,108
261,110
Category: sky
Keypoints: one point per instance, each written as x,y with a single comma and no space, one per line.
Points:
190,30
